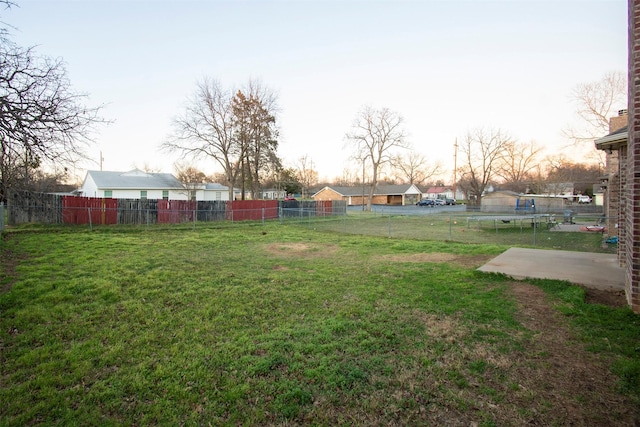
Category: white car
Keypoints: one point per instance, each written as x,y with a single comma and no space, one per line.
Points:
584,198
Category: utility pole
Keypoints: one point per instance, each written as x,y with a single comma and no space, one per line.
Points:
455,166
363,184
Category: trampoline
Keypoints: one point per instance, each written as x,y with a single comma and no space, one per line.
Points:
535,220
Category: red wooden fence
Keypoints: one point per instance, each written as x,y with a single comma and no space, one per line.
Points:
324,207
252,210
176,211
82,210
76,210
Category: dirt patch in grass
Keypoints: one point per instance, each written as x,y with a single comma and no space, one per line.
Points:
470,261
611,298
572,386
300,249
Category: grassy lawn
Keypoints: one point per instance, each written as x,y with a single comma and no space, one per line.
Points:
456,228
281,325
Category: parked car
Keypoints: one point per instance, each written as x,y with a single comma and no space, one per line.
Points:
440,202
289,199
426,202
450,201
584,198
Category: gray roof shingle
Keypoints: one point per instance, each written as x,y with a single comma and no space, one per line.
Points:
135,179
380,190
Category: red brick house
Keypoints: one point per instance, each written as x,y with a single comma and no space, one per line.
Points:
407,194
627,181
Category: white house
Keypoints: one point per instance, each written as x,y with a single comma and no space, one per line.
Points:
443,193
137,184
273,194
134,184
215,191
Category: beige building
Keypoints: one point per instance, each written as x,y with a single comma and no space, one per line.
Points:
407,194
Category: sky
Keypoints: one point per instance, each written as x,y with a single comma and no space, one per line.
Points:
446,67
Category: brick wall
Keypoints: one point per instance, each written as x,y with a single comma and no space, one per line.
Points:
621,179
612,193
617,122
631,187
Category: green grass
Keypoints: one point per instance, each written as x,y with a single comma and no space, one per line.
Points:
605,330
261,325
456,228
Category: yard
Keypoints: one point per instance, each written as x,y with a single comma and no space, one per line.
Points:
271,324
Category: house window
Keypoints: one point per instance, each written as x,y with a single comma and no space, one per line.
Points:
143,194
165,194
218,195
108,193
192,194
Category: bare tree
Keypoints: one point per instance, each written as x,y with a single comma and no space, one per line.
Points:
206,129
413,168
595,103
517,163
564,174
190,177
306,174
350,176
482,151
237,131
376,134
254,111
43,122
3,30
217,177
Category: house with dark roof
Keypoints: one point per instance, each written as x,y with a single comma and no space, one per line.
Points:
405,194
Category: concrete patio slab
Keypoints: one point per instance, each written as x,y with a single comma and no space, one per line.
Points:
594,270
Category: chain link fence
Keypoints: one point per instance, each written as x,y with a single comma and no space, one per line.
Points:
567,230
584,232
41,208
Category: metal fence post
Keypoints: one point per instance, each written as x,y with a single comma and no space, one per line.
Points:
534,230
90,221
344,221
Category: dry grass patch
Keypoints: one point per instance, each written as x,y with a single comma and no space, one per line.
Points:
300,249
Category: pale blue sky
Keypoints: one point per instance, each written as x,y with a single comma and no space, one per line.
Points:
445,66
